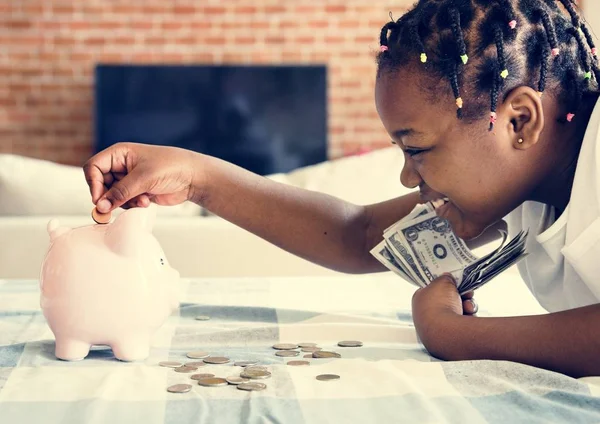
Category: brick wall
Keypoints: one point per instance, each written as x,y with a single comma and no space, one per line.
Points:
48,49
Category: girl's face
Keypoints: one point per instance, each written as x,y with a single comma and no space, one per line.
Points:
481,173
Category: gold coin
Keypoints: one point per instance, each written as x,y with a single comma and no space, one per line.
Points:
324,354
100,218
298,363
216,360
179,388
170,364
201,376
328,377
212,382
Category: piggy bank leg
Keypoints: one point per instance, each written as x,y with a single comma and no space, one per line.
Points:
71,350
136,348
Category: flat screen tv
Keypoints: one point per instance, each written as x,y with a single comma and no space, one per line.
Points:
267,119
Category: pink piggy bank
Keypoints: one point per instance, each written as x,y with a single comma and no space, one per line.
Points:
108,285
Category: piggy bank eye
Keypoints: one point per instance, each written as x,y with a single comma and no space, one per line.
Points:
162,261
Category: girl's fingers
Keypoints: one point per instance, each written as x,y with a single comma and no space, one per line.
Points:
469,307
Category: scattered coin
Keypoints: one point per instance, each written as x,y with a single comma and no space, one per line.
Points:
256,368
255,374
185,369
196,364
237,380
100,218
179,388
308,355
212,382
298,363
201,376
216,360
202,318
286,353
307,345
285,346
252,387
170,364
350,343
197,355
325,354
245,363
311,349
328,377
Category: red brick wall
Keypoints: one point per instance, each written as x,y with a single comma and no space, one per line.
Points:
48,49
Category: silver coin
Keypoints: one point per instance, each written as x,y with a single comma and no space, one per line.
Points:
285,346
196,364
252,387
350,343
245,363
298,363
217,360
255,374
328,377
212,382
202,318
311,349
286,353
197,355
179,388
325,354
237,380
307,345
185,369
170,364
201,376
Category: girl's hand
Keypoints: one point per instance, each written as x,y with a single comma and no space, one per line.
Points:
437,309
130,175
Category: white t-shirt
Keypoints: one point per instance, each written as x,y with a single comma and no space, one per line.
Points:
563,267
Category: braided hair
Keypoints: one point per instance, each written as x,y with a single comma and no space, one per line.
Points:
544,44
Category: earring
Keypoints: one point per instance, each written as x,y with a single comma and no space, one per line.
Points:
520,141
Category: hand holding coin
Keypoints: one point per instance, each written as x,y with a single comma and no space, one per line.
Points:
100,218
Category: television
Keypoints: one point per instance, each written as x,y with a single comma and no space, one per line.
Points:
267,119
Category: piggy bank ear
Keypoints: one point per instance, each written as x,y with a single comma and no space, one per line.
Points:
125,235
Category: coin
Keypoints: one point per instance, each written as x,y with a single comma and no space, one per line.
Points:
308,355
326,354
298,363
179,388
328,377
197,355
201,376
286,353
170,364
285,346
196,364
252,387
212,382
216,360
185,369
245,363
237,380
311,349
256,368
100,218
350,343
202,318
307,345
255,374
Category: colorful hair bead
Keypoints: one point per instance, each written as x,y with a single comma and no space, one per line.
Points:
512,24
570,117
555,51
540,93
504,74
423,57
459,102
493,118
594,51
464,59
383,49
588,75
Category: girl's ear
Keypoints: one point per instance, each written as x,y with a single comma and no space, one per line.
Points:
524,110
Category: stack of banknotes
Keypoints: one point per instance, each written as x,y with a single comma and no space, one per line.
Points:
422,246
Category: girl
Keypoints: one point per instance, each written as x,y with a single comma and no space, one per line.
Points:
494,105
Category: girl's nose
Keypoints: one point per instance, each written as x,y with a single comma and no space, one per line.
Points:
409,177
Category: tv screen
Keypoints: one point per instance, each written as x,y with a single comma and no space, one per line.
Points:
266,119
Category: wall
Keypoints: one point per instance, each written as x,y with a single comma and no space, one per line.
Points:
48,49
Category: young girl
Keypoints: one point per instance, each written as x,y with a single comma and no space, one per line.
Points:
494,106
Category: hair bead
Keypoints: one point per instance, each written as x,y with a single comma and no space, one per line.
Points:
512,24
423,57
383,49
464,59
504,73
459,102
555,51
570,117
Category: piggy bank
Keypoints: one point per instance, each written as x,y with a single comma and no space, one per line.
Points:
107,285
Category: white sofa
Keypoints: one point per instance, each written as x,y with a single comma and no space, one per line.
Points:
33,191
